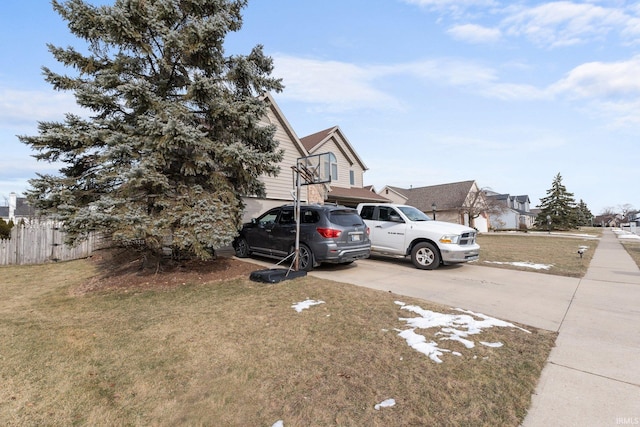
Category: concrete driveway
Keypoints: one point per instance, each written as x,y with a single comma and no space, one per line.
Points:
534,299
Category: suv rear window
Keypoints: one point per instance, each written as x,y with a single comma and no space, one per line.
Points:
346,218
309,216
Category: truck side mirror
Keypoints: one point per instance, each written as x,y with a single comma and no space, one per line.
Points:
395,218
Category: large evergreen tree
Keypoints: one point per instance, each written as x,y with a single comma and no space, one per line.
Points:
174,138
559,205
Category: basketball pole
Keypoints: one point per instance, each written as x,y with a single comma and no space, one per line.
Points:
296,259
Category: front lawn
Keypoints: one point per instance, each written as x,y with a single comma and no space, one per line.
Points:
236,352
540,252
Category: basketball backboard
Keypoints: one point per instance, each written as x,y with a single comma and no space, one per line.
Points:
317,168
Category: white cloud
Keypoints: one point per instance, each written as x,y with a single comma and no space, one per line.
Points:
513,91
447,71
602,80
342,86
453,5
338,85
547,24
565,23
612,89
472,33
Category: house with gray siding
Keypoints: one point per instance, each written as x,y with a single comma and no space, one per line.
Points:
17,209
515,214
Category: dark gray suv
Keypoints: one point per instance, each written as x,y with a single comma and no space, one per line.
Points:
328,233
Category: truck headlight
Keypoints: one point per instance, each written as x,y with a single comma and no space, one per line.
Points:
450,238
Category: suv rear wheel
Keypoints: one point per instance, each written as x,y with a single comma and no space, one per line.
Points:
425,256
305,260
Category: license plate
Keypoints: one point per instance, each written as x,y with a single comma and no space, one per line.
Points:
356,237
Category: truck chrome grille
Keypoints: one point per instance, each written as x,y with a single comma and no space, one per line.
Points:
468,238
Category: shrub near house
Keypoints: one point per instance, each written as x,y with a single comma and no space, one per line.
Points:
5,229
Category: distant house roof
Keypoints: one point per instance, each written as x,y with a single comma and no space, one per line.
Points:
18,208
523,199
445,196
23,209
498,196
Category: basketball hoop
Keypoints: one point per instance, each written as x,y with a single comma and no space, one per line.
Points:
314,169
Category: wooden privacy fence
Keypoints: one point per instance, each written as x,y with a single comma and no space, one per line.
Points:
41,242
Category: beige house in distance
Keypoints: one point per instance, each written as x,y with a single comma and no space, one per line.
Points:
455,202
346,168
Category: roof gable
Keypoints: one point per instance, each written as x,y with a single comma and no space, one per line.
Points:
313,144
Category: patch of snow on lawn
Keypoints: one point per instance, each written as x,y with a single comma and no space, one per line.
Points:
385,404
524,264
452,327
305,304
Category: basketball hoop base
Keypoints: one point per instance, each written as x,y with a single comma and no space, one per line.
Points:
275,275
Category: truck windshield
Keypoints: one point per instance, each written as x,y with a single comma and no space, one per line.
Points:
414,214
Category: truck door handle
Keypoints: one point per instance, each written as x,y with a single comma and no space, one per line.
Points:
378,226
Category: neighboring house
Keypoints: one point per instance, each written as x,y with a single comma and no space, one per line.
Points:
515,214
457,202
607,220
346,168
17,209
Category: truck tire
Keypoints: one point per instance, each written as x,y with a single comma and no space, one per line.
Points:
425,256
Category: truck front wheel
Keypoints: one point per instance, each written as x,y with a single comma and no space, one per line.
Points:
425,256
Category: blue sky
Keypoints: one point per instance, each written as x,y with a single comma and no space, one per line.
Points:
427,91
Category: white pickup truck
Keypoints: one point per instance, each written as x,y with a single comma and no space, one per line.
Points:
401,230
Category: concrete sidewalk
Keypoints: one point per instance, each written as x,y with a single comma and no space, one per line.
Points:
592,377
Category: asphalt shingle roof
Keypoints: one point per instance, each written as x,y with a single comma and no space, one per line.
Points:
361,194
445,196
310,141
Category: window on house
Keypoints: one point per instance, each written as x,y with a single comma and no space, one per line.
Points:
331,167
352,178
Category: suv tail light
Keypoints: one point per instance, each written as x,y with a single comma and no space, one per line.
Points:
329,233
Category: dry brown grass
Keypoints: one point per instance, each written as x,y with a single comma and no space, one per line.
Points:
633,249
236,353
560,252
